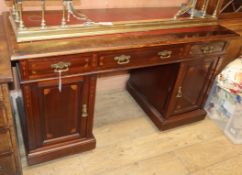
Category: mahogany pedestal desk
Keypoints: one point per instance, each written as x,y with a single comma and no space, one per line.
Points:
171,71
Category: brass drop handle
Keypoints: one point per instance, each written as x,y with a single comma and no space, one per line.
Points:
207,49
179,92
61,66
84,111
165,54
122,59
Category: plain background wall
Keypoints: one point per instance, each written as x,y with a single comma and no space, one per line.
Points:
85,4
129,3
2,6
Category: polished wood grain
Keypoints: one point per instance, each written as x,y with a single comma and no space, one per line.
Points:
9,157
155,88
58,118
119,41
155,151
5,143
9,154
59,123
33,69
3,118
132,40
138,57
158,119
189,58
7,165
191,86
58,114
5,66
53,18
50,142
209,48
180,90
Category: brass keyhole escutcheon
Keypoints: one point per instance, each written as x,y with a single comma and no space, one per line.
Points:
179,92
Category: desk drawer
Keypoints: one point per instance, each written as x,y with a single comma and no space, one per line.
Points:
48,67
139,57
5,143
7,165
208,48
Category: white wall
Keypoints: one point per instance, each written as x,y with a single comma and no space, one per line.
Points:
3,6
53,4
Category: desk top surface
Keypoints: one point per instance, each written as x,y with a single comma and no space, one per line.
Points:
113,42
104,42
53,18
233,24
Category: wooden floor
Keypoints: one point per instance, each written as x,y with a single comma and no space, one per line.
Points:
129,144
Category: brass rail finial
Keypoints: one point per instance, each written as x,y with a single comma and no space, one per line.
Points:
20,11
15,11
43,22
63,20
205,8
194,3
215,13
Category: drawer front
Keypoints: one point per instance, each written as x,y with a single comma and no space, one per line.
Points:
140,57
5,143
7,165
50,67
208,48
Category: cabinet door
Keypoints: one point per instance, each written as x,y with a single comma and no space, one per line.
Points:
191,86
54,116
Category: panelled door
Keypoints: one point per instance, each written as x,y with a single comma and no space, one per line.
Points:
191,85
56,114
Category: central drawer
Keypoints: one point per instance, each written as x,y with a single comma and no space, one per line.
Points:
141,57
